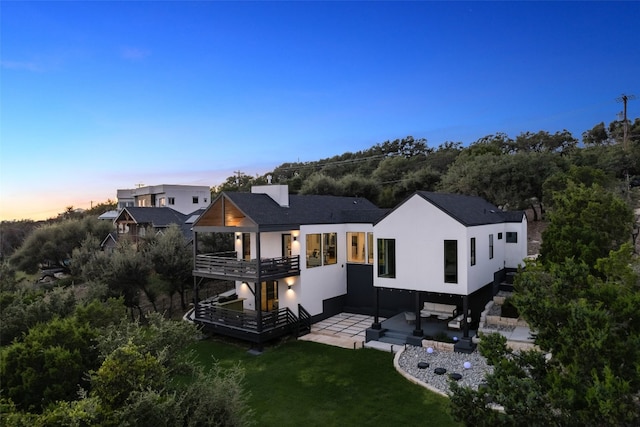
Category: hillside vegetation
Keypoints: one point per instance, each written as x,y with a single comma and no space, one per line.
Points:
513,173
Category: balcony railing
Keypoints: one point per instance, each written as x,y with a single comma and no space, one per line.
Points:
244,324
218,266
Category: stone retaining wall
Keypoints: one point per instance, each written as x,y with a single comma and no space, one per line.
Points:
438,345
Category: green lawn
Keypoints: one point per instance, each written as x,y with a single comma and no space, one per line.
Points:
308,384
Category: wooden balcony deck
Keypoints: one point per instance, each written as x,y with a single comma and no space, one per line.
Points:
244,324
215,266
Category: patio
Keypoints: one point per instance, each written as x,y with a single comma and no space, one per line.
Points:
431,327
348,330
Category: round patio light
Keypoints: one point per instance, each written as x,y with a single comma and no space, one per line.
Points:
467,365
429,350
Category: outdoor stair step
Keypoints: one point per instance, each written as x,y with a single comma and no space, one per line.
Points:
395,335
394,340
384,346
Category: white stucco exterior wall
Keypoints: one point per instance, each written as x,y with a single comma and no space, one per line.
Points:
314,284
515,253
420,229
323,282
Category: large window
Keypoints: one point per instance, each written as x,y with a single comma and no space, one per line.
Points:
322,249
314,250
451,261
330,248
386,258
473,251
355,247
512,237
490,246
360,247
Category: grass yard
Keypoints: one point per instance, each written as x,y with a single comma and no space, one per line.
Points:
299,383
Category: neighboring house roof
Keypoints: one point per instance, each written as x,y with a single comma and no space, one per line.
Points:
468,210
156,217
302,209
193,216
109,215
112,236
186,226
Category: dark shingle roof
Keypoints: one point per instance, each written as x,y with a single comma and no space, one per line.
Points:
157,217
307,209
470,210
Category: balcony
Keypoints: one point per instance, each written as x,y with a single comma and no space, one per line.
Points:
226,267
248,326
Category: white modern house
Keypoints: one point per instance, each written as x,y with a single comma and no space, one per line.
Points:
182,198
297,259
289,259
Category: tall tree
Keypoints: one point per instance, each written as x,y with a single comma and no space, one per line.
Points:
596,136
442,157
53,244
321,184
586,371
585,224
126,274
48,364
542,141
359,186
172,260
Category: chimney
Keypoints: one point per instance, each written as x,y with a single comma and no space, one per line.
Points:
278,192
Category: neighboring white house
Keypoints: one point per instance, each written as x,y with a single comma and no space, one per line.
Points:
182,198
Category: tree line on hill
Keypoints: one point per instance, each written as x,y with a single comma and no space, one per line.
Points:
511,173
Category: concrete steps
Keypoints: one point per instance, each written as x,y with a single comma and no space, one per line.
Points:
384,346
392,337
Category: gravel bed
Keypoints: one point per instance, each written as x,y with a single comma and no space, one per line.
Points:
451,361
495,310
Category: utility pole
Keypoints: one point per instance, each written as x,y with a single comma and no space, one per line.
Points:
624,99
239,174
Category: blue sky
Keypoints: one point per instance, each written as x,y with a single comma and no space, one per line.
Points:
97,96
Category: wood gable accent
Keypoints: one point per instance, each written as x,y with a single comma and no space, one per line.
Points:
125,218
223,213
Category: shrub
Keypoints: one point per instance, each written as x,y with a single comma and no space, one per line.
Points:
509,310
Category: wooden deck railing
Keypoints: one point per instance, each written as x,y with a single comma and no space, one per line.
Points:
224,267
244,324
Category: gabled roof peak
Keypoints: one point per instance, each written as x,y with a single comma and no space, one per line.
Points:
470,210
